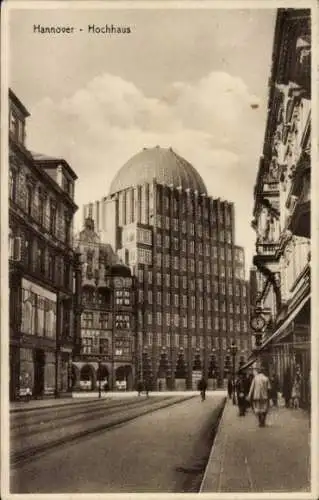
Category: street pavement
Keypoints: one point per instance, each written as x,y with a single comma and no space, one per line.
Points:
250,459
164,451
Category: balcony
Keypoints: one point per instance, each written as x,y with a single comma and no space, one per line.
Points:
266,251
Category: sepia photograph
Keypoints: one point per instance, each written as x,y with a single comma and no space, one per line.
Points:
157,249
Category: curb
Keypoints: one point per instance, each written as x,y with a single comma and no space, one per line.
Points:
31,453
214,465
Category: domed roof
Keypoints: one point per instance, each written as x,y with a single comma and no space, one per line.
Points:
163,165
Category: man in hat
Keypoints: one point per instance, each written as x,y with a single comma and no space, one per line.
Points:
259,395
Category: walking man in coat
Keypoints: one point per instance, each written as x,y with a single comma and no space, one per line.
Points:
259,395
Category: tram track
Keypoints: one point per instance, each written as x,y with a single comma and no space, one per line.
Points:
28,449
28,426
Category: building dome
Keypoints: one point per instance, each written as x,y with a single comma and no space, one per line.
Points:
163,165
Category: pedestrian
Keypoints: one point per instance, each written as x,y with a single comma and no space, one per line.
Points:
202,386
274,383
287,387
296,391
146,388
139,387
230,388
242,393
259,395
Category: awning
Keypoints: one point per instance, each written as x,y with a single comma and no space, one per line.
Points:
281,330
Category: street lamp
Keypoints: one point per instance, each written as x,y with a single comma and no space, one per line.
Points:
233,351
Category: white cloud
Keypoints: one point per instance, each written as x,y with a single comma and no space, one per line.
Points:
209,122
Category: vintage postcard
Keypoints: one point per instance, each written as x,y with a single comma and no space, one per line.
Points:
158,249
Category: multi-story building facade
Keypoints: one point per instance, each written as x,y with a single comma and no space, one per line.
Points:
282,205
42,265
104,354
179,244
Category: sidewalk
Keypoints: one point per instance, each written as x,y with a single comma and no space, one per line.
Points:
246,458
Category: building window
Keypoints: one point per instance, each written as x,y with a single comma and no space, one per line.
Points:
230,307
183,226
150,277
167,222
176,281
12,184
200,267
150,297
159,298
53,215
222,288
216,323
184,245
193,302
208,286
193,321
192,228
231,324
141,296
192,264
158,278
193,341
159,259
191,247
168,299
168,340
184,299
149,318
159,318
216,305
176,300
176,320
159,339
208,304
40,259
230,289
215,269
168,319
168,280
159,239
185,323
184,282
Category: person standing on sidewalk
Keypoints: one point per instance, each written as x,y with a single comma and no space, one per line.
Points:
287,387
242,392
259,395
230,387
274,382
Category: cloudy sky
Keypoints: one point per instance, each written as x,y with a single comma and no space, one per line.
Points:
189,79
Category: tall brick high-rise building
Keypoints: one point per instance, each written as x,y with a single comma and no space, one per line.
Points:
192,298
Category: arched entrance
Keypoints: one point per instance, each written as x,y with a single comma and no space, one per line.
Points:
124,378
87,378
102,377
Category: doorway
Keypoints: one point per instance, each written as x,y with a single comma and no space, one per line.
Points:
39,364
